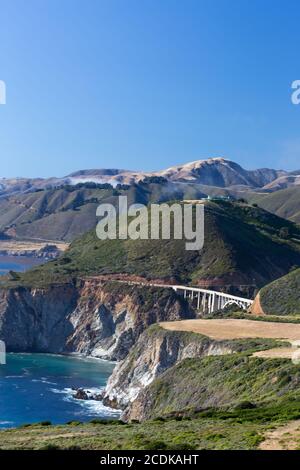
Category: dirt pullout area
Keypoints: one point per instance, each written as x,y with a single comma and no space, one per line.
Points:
285,437
222,329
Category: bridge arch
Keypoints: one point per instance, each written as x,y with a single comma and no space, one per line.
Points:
234,302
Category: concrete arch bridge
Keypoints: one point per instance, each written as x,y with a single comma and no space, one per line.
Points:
209,301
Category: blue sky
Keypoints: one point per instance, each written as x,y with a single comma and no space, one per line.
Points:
146,84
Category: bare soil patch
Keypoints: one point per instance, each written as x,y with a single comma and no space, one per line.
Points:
222,329
256,307
285,437
283,353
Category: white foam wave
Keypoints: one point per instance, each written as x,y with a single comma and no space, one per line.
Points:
88,407
44,381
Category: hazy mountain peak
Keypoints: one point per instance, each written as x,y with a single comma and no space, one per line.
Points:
216,171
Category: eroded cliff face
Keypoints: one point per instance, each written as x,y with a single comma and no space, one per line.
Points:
98,318
156,351
36,320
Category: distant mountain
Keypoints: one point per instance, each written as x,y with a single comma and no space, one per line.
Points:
285,202
65,208
221,173
283,182
218,172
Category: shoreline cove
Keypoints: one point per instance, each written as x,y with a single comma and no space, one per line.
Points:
38,387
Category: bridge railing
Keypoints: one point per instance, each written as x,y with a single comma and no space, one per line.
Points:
211,292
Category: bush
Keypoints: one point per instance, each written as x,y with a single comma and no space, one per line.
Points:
50,447
245,405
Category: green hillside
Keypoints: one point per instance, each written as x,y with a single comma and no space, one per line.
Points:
67,212
282,297
225,382
284,203
173,434
243,246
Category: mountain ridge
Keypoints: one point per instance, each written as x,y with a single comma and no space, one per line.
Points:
216,171
65,208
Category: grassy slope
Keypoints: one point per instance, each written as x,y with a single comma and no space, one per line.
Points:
285,202
282,297
66,213
242,246
172,434
51,214
222,382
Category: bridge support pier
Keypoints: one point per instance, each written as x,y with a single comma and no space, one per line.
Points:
209,301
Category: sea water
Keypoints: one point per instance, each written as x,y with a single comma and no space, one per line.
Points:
39,387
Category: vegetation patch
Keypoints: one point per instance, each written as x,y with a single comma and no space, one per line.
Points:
238,240
237,384
282,297
187,434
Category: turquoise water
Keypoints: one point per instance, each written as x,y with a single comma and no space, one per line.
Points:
17,263
38,387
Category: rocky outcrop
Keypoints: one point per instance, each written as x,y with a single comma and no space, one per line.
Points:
91,317
156,351
82,394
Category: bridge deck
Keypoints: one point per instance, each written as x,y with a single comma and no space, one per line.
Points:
211,292
212,295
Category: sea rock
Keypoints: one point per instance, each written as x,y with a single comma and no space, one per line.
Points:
81,395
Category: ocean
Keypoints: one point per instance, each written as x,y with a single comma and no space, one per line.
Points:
18,263
38,387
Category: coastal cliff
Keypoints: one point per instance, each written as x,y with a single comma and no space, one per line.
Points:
169,372
155,351
97,318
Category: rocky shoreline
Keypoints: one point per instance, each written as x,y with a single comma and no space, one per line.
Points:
156,351
89,317
110,321
85,394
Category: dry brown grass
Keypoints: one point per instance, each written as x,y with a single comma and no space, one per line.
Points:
222,329
283,353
